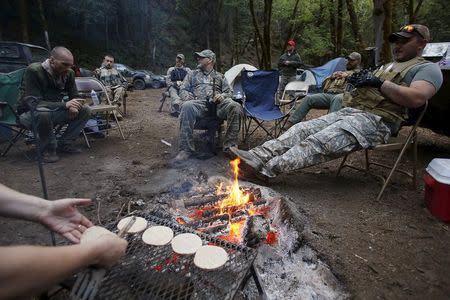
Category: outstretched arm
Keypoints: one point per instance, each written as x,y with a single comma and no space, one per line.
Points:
60,216
29,270
413,96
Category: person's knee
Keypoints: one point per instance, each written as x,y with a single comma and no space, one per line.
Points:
84,113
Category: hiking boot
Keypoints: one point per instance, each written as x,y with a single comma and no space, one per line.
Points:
248,158
182,156
66,148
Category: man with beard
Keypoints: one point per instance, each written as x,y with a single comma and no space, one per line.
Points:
373,111
115,84
333,89
174,78
200,89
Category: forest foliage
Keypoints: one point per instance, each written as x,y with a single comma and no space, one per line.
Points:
149,33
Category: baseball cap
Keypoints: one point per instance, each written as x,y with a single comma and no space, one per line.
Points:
407,31
291,43
181,56
205,53
354,56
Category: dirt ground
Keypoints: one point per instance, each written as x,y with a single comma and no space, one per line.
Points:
388,249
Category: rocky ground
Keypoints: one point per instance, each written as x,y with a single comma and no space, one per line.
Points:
387,249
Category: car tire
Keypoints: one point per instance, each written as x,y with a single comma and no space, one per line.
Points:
139,84
156,84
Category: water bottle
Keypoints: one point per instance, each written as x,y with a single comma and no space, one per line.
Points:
94,98
239,95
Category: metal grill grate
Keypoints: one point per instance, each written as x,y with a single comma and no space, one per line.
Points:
151,272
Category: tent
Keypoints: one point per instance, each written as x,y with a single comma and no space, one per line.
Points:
322,72
233,76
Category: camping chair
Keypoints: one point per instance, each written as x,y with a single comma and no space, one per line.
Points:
260,88
9,93
394,143
297,89
85,85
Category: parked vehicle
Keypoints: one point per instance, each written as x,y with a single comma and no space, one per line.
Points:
158,81
140,79
15,56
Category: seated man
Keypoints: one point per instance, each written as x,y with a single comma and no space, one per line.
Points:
53,82
174,78
28,270
202,88
372,111
331,98
115,83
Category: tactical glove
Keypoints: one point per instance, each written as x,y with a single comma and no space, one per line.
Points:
365,78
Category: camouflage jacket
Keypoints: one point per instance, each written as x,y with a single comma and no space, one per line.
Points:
201,85
110,77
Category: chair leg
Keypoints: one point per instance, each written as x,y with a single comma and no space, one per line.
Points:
414,168
162,100
86,139
341,165
118,125
124,105
13,141
366,151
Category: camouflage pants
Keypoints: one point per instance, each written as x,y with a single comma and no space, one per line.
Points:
319,140
175,99
116,95
192,110
332,102
283,81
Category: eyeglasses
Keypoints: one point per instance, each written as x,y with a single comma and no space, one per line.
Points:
410,29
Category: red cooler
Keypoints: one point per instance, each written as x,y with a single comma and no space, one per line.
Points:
437,188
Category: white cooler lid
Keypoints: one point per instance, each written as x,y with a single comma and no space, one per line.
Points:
439,169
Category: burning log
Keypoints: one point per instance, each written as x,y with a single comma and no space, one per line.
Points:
256,230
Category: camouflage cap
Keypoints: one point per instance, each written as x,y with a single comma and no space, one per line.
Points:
206,53
407,31
354,56
180,56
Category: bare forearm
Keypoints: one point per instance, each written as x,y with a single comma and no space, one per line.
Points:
412,96
19,205
28,270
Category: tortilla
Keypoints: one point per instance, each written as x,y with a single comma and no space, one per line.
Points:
157,235
138,226
210,257
186,243
93,233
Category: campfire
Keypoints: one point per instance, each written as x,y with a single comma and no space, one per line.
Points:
233,213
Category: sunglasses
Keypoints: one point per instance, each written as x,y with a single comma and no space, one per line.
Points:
411,29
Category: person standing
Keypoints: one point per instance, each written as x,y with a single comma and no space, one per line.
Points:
174,78
287,66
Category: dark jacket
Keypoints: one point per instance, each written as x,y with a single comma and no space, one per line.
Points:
295,62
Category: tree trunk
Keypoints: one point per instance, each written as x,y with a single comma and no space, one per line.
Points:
378,19
44,24
355,24
339,29
24,20
413,12
106,33
386,55
332,13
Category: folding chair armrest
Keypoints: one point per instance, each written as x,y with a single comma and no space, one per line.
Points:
286,102
4,105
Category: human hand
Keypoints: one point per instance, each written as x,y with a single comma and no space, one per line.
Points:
218,98
62,217
107,249
73,112
365,78
75,103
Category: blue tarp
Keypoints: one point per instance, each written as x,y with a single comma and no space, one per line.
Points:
322,72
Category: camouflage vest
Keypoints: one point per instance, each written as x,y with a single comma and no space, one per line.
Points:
335,85
372,100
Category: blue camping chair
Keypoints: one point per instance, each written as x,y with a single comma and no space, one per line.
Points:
260,89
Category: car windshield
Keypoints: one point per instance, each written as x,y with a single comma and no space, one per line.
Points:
38,54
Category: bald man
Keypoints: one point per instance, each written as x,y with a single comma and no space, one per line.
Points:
53,83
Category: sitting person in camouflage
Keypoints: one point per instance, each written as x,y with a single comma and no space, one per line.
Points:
200,86
333,89
174,78
373,110
115,83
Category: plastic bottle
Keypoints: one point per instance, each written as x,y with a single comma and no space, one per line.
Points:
94,98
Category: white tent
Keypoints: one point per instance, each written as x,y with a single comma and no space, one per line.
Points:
234,73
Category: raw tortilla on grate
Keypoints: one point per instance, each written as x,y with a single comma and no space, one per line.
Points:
138,226
210,257
157,235
93,233
186,243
